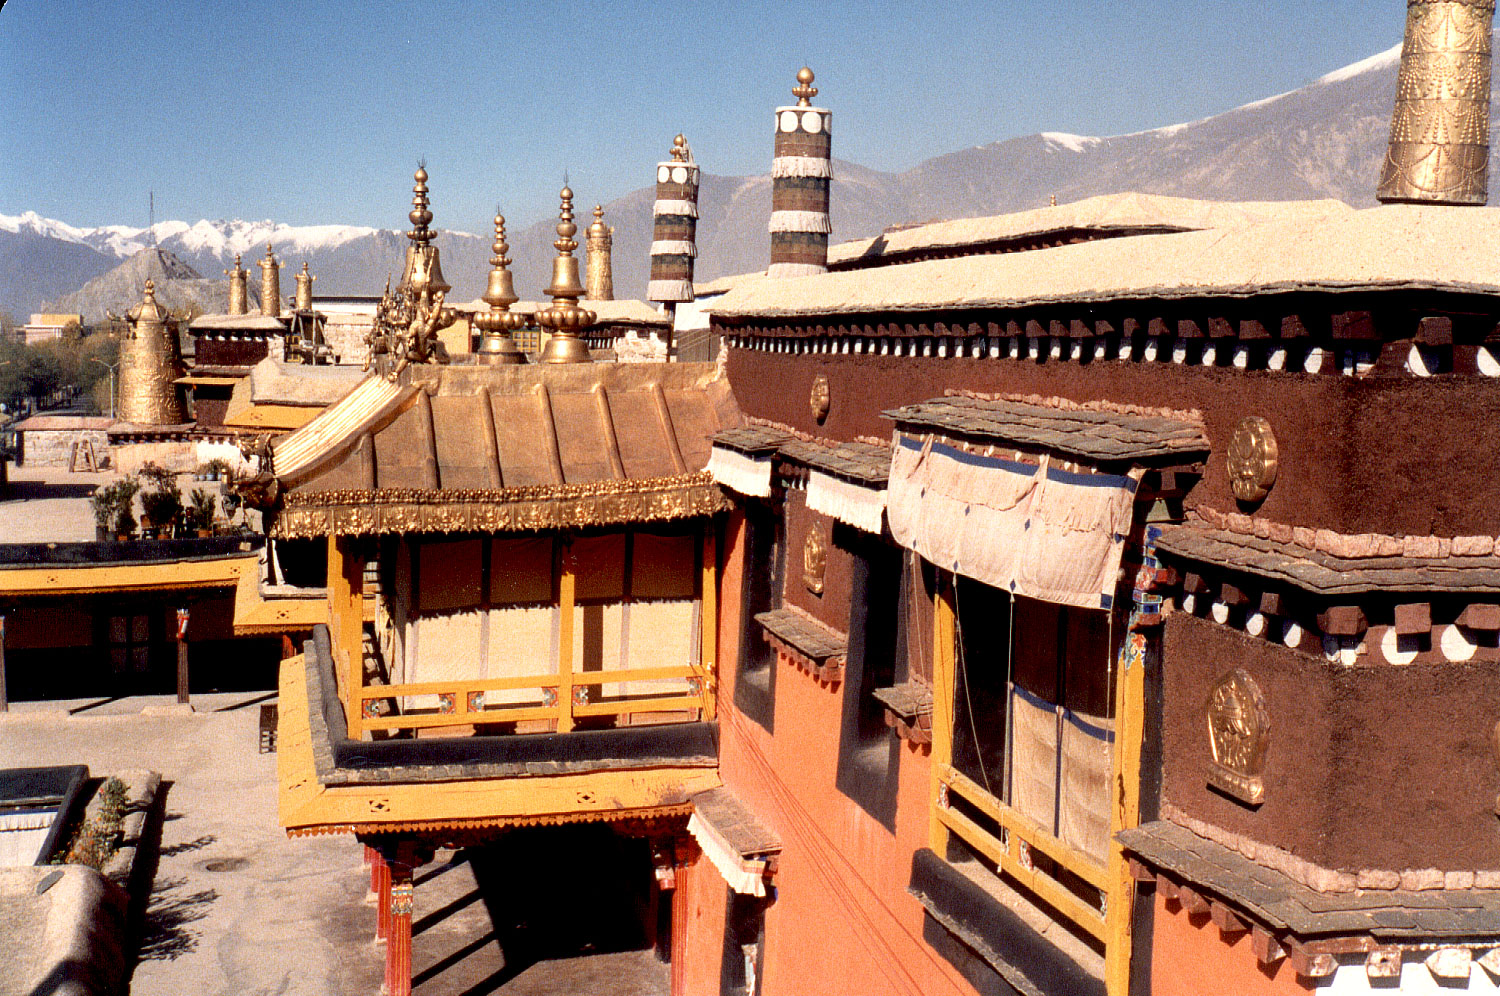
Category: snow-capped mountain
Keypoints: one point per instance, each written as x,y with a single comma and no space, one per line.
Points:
1326,139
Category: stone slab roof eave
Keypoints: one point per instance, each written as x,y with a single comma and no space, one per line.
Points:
1286,905
1325,574
1099,437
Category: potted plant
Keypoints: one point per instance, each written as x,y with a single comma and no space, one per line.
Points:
161,499
103,503
219,469
124,498
200,512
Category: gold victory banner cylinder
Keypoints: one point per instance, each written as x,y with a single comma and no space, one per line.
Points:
1440,132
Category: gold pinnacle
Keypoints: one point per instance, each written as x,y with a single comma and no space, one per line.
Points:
804,91
421,214
679,149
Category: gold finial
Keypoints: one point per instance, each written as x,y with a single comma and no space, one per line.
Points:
421,214
497,324
304,288
150,289
601,279
679,149
598,228
804,91
564,319
1052,201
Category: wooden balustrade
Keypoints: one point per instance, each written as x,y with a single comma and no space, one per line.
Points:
1005,850
458,698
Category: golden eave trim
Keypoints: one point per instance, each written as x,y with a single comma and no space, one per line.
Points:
540,507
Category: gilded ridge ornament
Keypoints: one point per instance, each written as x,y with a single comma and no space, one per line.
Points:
1440,128
1239,730
1252,459
821,399
407,320
814,561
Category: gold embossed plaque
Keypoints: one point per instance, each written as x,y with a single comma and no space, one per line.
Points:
1252,459
1239,730
1440,129
814,560
821,398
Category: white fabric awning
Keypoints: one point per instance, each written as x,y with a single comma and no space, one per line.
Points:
747,877
859,505
1030,529
746,474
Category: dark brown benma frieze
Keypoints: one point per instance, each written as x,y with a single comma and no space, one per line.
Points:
1350,747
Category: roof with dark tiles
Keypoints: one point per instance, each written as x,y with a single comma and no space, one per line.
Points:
1283,904
1325,573
1103,436
804,634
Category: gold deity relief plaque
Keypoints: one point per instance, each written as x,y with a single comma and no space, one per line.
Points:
821,398
814,561
1239,730
1252,459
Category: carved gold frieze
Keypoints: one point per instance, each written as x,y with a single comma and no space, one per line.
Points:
1239,730
821,399
353,512
814,561
1440,128
1252,459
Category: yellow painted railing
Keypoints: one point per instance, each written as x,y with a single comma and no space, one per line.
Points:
1007,852
463,702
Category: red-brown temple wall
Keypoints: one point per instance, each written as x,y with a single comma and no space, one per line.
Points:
1353,752
842,919
831,607
1391,455
1189,957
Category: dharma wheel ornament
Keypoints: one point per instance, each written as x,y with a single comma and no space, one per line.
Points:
1252,459
1439,150
1239,730
565,319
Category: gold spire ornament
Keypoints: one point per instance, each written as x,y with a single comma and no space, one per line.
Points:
499,323
804,91
304,288
239,288
149,365
1439,150
601,266
564,319
270,284
407,320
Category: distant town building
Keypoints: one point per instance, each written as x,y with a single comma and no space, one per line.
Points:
45,326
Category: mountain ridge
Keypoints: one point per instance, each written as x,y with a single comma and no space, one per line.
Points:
1325,139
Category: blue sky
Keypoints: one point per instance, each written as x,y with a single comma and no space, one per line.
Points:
315,112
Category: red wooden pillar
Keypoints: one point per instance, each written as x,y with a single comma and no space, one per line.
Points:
382,883
398,928
182,656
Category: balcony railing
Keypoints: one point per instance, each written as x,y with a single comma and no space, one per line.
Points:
567,696
1013,850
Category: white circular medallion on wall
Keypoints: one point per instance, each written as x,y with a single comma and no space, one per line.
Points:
1255,624
1314,361
1456,645
788,121
812,122
1390,648
679,174
1189,603
1416,363
663,174
1220,612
